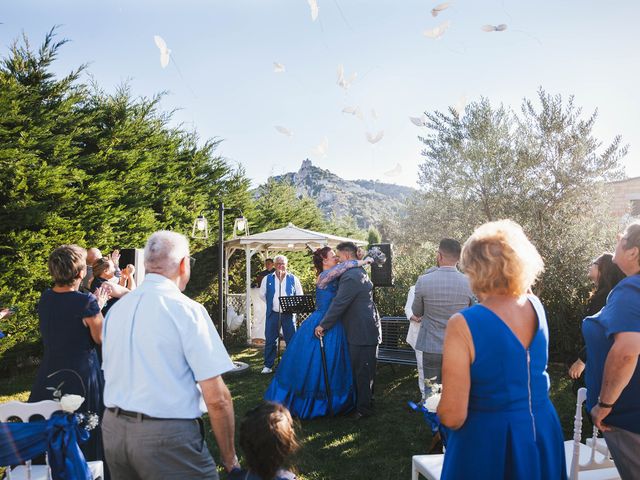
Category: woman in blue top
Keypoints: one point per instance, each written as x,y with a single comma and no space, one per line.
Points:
71,328
612,374
495,393
299,381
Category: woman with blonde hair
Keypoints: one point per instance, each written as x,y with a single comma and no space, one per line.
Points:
495,394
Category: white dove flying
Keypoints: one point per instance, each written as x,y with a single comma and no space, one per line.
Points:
394,172
313,5
418,121
440,7
375,138
438,31
278,67
284,130
165,53
497,28
345,82
355,111
374,114
322,149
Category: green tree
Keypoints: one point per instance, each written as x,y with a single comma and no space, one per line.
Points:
81,166
543,168
277,205
373,235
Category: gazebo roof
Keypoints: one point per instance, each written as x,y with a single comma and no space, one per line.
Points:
289,238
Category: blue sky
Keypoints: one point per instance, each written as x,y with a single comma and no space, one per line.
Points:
224,86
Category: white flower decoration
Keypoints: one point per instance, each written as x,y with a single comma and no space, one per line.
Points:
70,403
431,403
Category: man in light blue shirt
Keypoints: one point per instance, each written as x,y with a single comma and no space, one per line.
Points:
163,362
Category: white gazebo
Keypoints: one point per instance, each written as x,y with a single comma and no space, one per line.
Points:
289,238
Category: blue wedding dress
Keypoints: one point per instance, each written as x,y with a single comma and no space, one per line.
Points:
299,382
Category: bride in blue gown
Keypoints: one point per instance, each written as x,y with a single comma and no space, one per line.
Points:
299,382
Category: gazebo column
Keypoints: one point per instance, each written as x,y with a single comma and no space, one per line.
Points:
227,253
248,253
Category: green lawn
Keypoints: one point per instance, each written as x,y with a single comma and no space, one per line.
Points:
338,448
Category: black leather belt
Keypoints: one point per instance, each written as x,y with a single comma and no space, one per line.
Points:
117,411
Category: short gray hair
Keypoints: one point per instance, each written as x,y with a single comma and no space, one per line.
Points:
280,257
164,251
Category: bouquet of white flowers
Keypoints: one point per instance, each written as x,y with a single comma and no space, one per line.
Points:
377,255
435,392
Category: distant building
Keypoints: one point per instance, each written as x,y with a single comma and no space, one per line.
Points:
625,201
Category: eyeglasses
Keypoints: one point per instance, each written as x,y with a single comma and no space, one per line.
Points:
192,261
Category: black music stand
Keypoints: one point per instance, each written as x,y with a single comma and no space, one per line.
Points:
294,304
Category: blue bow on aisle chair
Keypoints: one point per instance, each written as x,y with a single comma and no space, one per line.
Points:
57,436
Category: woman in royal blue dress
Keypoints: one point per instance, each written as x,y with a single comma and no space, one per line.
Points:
495,388
299,382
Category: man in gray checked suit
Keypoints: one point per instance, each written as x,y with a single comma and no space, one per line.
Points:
440,293
353,305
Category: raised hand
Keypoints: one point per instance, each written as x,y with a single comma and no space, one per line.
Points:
128,271
102,294
115,257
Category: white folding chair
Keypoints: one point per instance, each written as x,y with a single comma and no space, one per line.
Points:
591,461
25,412
600,445
429,466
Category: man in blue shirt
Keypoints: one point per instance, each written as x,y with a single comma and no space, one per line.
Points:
163,362
613,346
278,284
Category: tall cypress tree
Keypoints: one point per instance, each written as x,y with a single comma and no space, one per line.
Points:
83,166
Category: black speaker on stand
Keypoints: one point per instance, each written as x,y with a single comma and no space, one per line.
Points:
382,275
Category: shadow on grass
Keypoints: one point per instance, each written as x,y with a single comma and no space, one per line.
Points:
339,448
380,446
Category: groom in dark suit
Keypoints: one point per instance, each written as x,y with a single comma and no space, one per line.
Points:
353,305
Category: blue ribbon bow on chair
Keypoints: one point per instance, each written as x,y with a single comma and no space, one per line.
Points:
432,420
59,436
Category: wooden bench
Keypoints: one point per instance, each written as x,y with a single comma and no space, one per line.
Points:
394,348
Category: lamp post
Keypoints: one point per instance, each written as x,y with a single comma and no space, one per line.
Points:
202,225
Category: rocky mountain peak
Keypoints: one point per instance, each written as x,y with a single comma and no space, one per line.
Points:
367,201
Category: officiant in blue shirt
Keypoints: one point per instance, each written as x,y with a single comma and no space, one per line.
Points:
275,285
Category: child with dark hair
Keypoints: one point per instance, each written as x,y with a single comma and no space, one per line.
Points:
268,440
